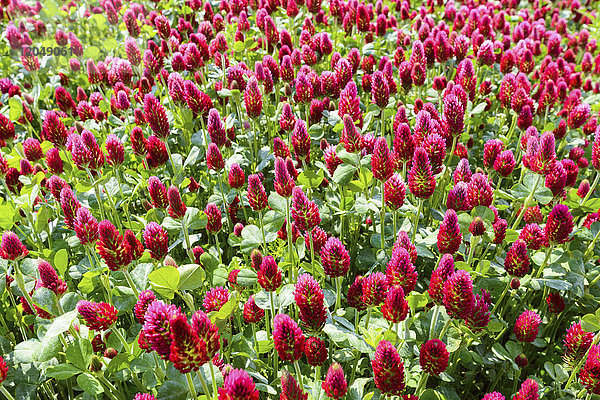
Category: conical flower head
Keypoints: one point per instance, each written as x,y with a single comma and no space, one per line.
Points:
576,344
252,312
157,327
157,240
380,90
400,270
493,396
112,247
458,295
590,373
238,385
214,216
529,391
301,142
283,181
335,385
517,261
188,351
207,331
479,191
214,158
354,295
388,369
433,357
394,191
236,177
480,316
559,225
555,303
421,181
527,326
177,207
12,248
395,307
310,300
438,277
215,298
350,137
316,351
533,236
50,280
269,274
287,121
288,338
449,237
253,99
290,389
305,213
257,196
97,316
216,128
382,161
54,130
156,116
335,258
158,192
141,306
375,288
136,248
505,163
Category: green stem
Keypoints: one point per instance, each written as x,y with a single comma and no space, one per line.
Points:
501,296
580,364
382,217
262,231
224,204
112,392
6,393
21,284
158,368
545,263
204,385
416,222
214,378
422,383
276,355
190,383
369,311
219,247
590,249
434,318
338,286
298,373
97,191
121,339
474,241
592,188
131,283
445,329
527,202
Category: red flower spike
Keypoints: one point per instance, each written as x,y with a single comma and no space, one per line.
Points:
288,338
238,385
421,181
97,316
188,351
315,350
527,326
310,300
395,307
449,237
433,357
517,261
290,389
215,298
335,385
141,306
157,240
252,313
388,369
269,274
459,300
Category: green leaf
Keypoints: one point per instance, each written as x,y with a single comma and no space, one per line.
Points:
247,277
61,324
24,352
79,353
416,301
208,261
90,384
16,108
62,371
311,179
278,203
483,212
227,309
45,299
273,221
7,213
61,260
239,47
165,281
590,323
343,174
543,195
49,349
191,276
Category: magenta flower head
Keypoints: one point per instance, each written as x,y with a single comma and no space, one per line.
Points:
269,274
380,90
288,338
555,303
97,316
517,261
136,247
290,389
301,142
54,130
458,295
590,373
421,181
215,298
112,247
7,128
375,288
335,258
207,332
177,208
53,161
141,306
49,278
439,276
505,163
400,270
354,295
559,225
238,385
86,226
157,327
283,181
395,307
433,357
12,248
533,236
310,300
480,316
305,213
493,396
527,326
350,136
188,351
479,191
287,121
252,312
32,149
214,223
257,196
596,150
388,369
576,344
158,192
156,116
382,161
236,177
157,240
253,99
335,385
449,237
216,128
394,191
214,158
315,350
529,391
115,150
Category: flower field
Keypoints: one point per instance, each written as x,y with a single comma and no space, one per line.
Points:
300,199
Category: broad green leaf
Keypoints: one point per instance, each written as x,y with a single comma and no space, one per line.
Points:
61,260
165,281
45,299
247,277
61,324
343,174
62,371
278,203
311,179
590,323
191,276
16,108
90,384
79,353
